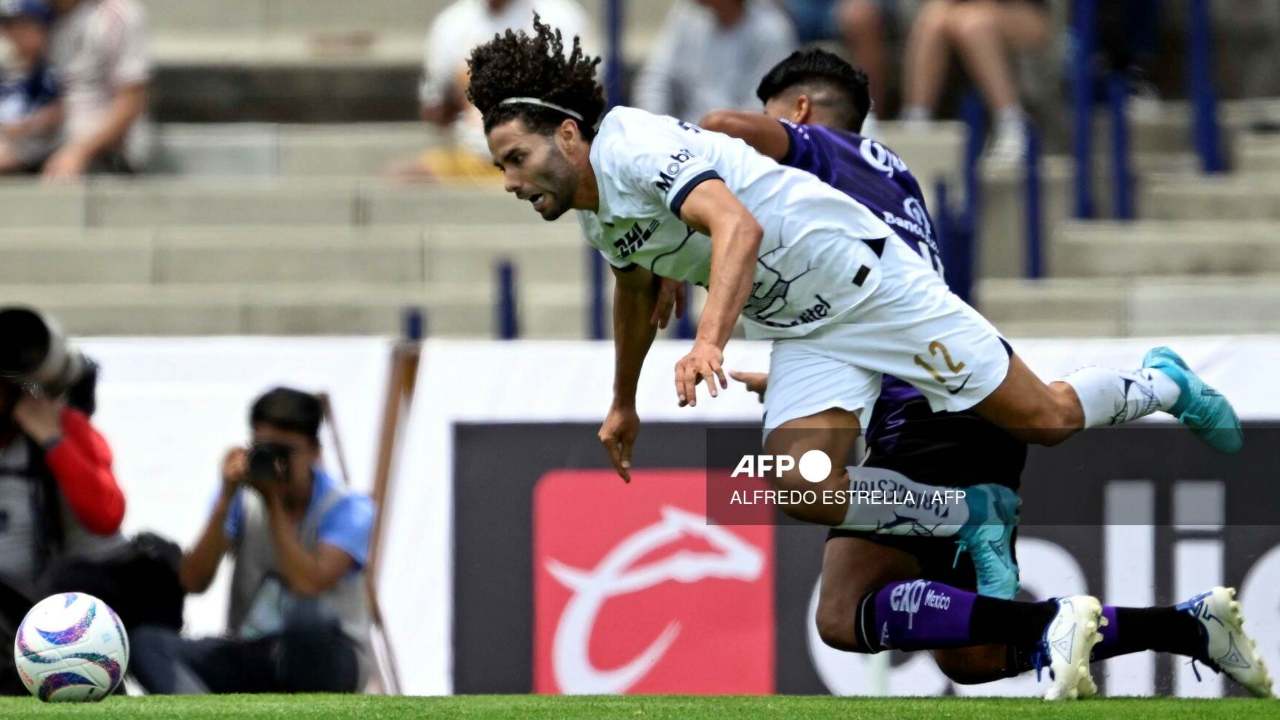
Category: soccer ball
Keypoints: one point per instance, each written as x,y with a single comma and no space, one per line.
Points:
71,647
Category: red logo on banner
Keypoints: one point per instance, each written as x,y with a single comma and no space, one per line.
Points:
635,593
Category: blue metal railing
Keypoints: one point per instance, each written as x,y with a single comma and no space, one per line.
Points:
1206,134
614,88
1033,213
1208,142
1121,170
1084,43
595,298
414,323
508,320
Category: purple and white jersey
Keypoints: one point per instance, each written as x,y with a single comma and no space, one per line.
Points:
870,173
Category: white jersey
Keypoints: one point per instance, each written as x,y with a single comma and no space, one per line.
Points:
813,265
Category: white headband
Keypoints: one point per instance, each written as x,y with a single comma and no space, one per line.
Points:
545,104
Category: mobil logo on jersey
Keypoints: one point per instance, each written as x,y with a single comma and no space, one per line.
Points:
634,592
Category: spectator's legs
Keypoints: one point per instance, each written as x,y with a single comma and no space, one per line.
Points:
862,26
157,661
928,55
165,663
983,32
317,657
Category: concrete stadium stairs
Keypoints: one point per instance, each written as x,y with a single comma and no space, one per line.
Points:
1204,257
273,60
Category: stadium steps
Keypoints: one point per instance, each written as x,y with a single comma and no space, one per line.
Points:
337,202
407,255
362,149
1259,153
1245,196
1165,247
269,149
1131,306
453,310
313,60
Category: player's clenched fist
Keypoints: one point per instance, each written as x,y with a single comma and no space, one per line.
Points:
705,361
618,435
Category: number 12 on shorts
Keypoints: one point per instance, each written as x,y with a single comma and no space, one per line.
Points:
938,348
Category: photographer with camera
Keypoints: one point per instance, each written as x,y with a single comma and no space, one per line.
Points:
298,617
59,499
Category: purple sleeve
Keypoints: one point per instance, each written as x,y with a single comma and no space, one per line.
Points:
809,150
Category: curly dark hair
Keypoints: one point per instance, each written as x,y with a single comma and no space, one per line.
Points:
819,68
516,64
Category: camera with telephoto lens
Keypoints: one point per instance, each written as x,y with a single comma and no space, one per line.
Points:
268,462
35,353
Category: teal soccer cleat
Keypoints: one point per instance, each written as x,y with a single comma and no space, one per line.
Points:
1199,407
988,538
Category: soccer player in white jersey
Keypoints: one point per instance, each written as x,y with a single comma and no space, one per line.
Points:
804,265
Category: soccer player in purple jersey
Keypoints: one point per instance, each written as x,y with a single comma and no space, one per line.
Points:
883,591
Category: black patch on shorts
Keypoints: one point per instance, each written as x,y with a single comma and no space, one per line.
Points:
861,275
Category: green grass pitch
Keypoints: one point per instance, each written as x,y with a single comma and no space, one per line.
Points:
634,708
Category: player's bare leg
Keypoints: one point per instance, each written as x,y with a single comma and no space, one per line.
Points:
833,432
1031,410
851,568
981,518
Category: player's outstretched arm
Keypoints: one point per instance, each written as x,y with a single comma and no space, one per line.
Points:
712,209
758,130
634,299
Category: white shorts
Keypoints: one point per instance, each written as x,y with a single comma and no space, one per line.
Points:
912,327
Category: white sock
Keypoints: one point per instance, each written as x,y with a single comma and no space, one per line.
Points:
1010,118
890,503
1112,397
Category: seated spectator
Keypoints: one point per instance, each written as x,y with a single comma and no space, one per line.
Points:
298,616
443,94
30,111
862,27
710,54
983,33
58,499
99,55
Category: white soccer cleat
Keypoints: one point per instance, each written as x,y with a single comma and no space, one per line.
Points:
1228,649
1068,642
